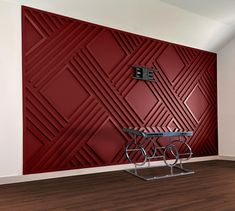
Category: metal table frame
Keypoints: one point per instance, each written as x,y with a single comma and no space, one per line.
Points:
135,146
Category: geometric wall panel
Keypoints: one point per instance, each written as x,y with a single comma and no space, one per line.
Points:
170,62
78,92
107,142
61,88
197,103
141,99
106,51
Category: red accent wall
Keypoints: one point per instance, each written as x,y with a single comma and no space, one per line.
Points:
79,92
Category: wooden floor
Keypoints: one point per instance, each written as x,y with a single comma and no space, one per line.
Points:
211,188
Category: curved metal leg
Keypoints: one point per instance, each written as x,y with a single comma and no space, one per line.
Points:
172,150
131,150
187,152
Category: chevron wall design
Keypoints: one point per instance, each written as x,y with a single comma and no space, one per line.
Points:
78,92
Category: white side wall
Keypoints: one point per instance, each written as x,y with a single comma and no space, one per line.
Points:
226,99
154,19
10,90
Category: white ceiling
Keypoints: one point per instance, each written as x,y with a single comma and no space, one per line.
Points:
219,10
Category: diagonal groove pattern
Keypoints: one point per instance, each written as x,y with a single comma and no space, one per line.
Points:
108,93
144,60
49,155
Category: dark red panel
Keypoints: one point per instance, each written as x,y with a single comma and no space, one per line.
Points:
79,92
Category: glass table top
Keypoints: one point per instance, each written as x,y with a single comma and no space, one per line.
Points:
157,131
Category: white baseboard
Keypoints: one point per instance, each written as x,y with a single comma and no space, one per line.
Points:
58,174
226,157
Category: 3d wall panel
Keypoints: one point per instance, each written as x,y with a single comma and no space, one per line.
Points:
79,92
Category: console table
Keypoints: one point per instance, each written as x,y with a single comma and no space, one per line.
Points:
173,152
